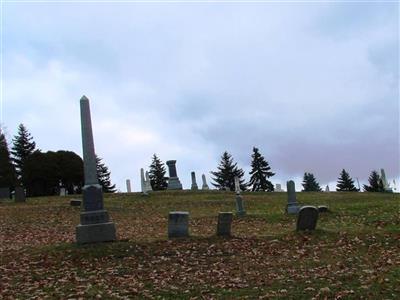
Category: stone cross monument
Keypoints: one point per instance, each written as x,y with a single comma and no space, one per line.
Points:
194,186
173,181
95,225
205,185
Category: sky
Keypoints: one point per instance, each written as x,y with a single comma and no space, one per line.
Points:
315,86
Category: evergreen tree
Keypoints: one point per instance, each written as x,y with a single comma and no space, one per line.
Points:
260,172
103,174
23,147
345,183
225,176
375,183
310,184
7,170
157,174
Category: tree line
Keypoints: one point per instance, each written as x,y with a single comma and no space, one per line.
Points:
224,177
44,173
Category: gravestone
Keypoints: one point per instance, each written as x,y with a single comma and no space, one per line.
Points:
128,186
224,223
323,208
386,186
307,218
178,224
292,206
173,181
194,186
20,194
95,225
75,202
5,193
148,183
237,185
240,210
63,191
278,188
327,188
142,181
205,185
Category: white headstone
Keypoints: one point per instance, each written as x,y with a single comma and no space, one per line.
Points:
128,186
237,185
148,183
205,185
142,181
278,188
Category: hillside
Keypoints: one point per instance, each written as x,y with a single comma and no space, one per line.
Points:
355,252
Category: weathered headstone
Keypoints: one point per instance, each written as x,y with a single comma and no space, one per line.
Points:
20,194
128,186
205,185
5,193
307,218
240,210
173,181
323,208
194,186
278,187
63,191
142,181
292,206
327,188
178,224
75,202
224,223
386,186
237,185
148,183
95,225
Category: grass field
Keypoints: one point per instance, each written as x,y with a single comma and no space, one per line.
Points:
354,253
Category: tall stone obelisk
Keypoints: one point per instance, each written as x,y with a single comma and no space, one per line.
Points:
95,225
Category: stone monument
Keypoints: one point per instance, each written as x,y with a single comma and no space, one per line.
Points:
173,181
327,188
307,218
292,206
148,183
278,188
205,185
20,194
95,225
237,185
240,210
128,186
178,224
63,191
386,186
194,186
224,223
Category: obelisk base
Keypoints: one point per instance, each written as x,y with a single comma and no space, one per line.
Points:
95,233
174,184
292,208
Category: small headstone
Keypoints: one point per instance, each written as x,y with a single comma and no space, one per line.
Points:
224,223
278,188
128,186
240,210
178,224
75,202
292,206
386,186
205,185
173,181
142,181
20,194
237,185
327,188
148,183
307,218
5,193
63,191
194,186
323,208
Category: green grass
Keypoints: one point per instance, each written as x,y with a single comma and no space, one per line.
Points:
353,254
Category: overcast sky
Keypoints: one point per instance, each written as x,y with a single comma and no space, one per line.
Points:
314,86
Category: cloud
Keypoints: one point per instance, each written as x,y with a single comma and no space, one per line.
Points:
314,89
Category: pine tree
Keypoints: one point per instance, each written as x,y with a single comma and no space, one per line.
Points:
103,174
310,184
345,183
7,170
23,147
260,172
375,183
227,171
157,174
